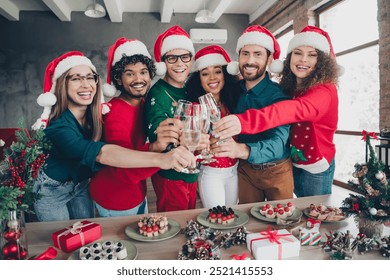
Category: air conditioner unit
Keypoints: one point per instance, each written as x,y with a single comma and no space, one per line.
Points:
208,36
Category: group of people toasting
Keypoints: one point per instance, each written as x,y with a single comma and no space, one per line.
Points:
268,141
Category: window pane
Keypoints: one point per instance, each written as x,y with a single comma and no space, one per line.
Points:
283,42
351,23
349,150
359,91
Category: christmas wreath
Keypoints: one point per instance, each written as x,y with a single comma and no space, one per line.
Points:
19,169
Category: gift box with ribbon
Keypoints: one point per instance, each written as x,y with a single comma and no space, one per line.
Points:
310,237
76,235
313,223
273,244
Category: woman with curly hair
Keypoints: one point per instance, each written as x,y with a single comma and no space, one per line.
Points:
218,181
310,76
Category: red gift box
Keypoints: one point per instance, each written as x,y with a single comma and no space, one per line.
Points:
76,236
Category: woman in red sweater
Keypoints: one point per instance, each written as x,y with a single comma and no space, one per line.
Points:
310,75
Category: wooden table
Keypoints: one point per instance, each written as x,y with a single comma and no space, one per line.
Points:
39,233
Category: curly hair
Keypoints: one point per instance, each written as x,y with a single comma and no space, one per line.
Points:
120,66
326,71
229,93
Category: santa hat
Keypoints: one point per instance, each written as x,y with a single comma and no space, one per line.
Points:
122,47
259,35
212,55
314,37
173,38
53,71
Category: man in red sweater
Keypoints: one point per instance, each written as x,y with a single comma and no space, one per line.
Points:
122,191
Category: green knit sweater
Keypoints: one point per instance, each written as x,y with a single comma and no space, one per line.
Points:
159,105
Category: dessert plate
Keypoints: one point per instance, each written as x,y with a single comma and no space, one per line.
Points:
132,250
241,219
255,212
173,229
306,211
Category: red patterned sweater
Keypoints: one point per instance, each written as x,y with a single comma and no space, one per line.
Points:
314,117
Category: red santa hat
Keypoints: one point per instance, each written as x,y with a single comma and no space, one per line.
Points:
259,35
314,37
173,38
212,55
122,47
54,70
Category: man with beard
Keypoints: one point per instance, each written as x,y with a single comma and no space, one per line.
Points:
122,191
265,169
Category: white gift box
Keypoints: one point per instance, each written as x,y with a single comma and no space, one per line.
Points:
273,245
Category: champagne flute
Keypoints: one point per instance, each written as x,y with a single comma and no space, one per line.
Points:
202,111
215,113
191,133
183,109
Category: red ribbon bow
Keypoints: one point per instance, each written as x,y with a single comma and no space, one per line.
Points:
49,254
369,134
273,236
243,256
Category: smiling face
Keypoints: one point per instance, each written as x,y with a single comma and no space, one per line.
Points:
177,73
81,82
253,61
135,81
212,79
303,62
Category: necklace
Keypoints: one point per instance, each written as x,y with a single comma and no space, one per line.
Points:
174,102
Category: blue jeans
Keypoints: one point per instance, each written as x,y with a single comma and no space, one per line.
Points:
309,184
62,201
141,208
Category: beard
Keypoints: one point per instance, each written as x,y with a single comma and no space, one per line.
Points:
252,77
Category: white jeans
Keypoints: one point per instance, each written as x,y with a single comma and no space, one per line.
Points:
218,186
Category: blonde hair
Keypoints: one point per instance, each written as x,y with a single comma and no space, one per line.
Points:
93,120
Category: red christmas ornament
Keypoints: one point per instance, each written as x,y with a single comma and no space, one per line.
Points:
11,235
10,249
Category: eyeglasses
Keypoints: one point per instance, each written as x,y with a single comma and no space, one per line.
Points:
77,79
171,58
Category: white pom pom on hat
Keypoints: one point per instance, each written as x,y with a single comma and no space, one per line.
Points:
54,70
173,38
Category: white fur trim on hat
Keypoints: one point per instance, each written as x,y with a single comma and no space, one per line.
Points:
177,42
213,59
312,39
130,48
109,90
161,68
46,99
68,63
232,68
276,66
255,38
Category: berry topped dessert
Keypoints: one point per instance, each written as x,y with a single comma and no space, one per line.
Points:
152,225
221,215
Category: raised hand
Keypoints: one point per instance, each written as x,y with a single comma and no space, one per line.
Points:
227,127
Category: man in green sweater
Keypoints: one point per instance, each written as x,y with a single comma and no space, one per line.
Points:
173,51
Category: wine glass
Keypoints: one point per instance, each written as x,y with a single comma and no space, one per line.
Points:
215,113
191,133
202,111
183,109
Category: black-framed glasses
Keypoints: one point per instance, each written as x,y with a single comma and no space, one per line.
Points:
77,79
171,58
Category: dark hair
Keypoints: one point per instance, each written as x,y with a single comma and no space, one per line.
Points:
326,71
119,67
229,94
